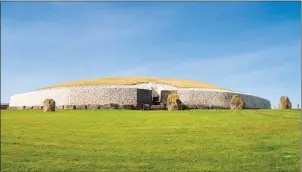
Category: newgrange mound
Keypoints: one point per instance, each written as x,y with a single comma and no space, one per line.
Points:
135,93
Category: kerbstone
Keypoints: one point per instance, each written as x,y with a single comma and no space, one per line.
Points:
69,107
109,106
38,107
93,106
173,102
61,107
130,107
80,107
28,107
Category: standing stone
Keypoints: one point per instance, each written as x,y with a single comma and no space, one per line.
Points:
298,106
285,103
237,102
164,96
49,105
173,102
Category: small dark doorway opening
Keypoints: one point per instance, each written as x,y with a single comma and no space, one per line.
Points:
155,101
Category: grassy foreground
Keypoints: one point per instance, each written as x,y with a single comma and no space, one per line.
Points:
121,140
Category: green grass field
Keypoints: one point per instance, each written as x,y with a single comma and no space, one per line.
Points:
124,140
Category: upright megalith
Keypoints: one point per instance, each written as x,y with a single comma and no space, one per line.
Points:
237,102
164,96
285,103
173,102
49,105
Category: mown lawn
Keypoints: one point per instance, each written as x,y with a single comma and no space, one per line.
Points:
122,140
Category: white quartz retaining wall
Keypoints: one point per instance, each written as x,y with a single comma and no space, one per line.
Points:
219,99
81,96
132,95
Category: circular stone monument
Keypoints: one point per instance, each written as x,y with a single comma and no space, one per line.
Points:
133,92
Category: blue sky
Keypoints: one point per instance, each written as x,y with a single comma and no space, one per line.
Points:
252,47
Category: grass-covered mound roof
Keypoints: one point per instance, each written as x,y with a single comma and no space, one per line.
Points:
180,83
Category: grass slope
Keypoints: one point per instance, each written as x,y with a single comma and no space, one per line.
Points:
117,140
182,83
